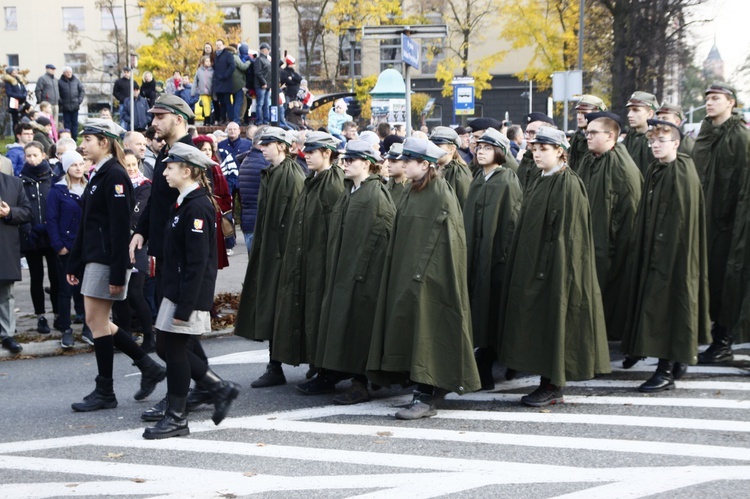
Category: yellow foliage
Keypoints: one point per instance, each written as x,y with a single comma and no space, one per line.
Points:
362,89
318,117
358,13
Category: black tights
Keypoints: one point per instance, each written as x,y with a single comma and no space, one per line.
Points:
182,363
35,259
136,302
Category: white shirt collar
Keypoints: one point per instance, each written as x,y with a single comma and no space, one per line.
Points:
554,170
185,191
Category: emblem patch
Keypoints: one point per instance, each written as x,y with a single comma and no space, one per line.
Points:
119,190
198,225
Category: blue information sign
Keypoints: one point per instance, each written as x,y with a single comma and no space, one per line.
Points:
463,99
410,51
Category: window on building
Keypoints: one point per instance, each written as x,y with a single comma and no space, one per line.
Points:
231,18
11,23
157,23
78,63
13,60
109,62
432,48
72,16
390,53
113,18
264,25
308,28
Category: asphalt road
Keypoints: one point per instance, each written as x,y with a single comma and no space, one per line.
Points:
607,440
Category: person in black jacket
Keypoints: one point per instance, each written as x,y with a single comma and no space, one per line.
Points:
262,75
100,261
71,97
189,280
224,66
121,88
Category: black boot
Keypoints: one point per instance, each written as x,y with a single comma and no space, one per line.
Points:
103,397
273,376
663,379
546,394
173,424
199,396
679,370
485,358
720,349
151,375
629,361
223,393
156,412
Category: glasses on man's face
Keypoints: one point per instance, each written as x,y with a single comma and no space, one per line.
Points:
530,133
592,133
484,147
660,141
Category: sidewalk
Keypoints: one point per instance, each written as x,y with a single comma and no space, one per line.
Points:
229,280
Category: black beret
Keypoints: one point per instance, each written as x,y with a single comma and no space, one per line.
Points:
537,116
461,130
654,122
479,124
604,114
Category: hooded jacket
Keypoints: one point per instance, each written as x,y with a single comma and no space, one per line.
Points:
37,182
64,210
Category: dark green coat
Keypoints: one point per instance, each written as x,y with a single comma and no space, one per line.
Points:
686,145
579,146
459,177
735,312
422,326
721,159
667,311
361,224
637,145
527,170
614,185
490,216
397,190
552,308
302,280
279,188
510,163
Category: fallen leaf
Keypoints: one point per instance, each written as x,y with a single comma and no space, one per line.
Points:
114,455
546,411
271,419
260,445
138,480
462,433
378,441
71,485
249,473
385,434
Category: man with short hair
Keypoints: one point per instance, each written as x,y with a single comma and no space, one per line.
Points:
578,144
154,144
24,134
262,78
139,114
641,108
48,90
224,66
349,131
121,89
673,114
136,142
527,168
229,149
399,130
515,136
71,98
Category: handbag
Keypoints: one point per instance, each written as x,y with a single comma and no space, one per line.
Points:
227,224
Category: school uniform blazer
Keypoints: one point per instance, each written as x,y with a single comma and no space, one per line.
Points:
190,259
104,234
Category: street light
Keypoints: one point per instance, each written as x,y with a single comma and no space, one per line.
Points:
352,34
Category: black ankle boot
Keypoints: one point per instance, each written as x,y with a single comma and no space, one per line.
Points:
663,378
223,393
546,394
174,423
199,396
720,349
151,375
103,397
485,358
156,412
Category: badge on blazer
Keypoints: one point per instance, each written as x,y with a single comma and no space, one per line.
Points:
175,221
119,190
198,225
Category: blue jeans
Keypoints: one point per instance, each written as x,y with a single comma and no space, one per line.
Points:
238,97
248,240
70,121
225,98
263,105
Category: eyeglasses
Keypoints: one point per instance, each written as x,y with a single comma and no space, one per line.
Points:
484,147
661,141
591,133
530,133
348,161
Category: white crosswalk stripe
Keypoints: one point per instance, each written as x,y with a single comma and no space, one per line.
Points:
487,446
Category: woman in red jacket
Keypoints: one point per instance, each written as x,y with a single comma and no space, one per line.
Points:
220,190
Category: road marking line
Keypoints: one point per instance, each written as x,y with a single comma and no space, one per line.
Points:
625,383
615,401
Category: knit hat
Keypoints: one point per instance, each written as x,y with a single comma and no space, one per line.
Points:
70,157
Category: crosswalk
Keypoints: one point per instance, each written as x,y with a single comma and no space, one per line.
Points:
606,441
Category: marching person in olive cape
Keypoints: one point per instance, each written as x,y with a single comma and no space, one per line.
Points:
614,185
490,216
527,169
551,305
722,159
477,127
361,225
302,279
668,307
451,166
641,108
398,184
673,114
578,144
422,328
280,185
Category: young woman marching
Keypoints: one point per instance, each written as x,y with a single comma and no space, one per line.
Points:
451,166
422,327
361,225
398,184
100,258
490,216
552,317
190,267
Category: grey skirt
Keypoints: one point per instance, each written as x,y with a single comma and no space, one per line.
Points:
96,283
199,322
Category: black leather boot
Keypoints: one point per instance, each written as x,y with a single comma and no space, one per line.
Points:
223,393
720,349
663,378
485,357
173,424
156,412
679,370
151,375
545,394
199,396
273,376
103,397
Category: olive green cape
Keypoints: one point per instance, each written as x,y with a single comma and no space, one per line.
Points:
637,145
667,312
722,160
510,163
397,190
527,170
459,177
735,312
279,187
302,280
490,216
686,145
422,326
614,185
551,304
361,224
579,146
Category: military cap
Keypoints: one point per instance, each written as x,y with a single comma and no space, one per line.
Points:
537,116
549,135
361,149
445,135
719,87
604,114
495,138
479,124
184,153
50,66
168,103
421,149
370,137
461,130
643,99
293,136
591,101
275,134
320,140
97,126
653,122
395,151
671,109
